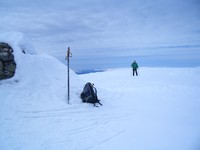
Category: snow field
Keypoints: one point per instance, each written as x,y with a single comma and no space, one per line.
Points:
159,109
164,103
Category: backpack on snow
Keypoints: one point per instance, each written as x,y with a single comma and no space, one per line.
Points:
89,94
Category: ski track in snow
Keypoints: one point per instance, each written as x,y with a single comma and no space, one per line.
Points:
88,122
91,126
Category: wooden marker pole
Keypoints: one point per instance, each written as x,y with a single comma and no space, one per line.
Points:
69,54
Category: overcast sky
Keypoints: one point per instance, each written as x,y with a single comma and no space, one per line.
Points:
109,33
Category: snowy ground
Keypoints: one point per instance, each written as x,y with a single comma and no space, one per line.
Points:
158,110
161,107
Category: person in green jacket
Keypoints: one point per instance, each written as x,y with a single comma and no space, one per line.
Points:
135,67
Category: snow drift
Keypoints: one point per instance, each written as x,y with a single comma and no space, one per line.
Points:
159,109
39,84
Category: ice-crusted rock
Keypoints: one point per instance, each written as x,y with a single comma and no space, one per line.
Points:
7,62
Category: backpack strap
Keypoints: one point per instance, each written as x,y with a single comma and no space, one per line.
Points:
100,103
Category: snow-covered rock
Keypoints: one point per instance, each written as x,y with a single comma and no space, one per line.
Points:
18,41
13,46
34,72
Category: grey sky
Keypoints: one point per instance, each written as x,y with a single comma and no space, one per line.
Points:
97,29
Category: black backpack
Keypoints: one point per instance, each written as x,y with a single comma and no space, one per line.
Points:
89,94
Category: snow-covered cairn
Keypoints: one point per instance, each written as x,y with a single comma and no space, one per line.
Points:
7,63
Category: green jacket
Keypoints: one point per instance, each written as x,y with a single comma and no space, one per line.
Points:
134,65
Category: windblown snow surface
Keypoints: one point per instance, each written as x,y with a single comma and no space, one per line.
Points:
157,110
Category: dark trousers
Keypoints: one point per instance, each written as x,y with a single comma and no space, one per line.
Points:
135,72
